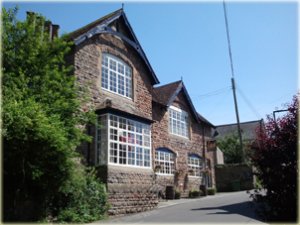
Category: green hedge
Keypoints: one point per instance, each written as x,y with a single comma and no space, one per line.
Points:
211,191
177,194
195,193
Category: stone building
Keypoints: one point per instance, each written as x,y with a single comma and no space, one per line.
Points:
147,137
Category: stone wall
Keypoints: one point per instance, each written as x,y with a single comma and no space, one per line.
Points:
234,177
131,190
87,64
161,138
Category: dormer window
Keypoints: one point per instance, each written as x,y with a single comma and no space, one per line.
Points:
116,76
178,122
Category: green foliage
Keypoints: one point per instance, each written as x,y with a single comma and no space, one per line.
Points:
231,148
276,161
194,193
177,194
211,191
42,122
85,196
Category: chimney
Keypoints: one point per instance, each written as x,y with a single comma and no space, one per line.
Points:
30,16
40,25
55,29
48,28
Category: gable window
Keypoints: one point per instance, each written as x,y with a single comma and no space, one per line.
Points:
195,165
178,122
165,161
128,141
116,76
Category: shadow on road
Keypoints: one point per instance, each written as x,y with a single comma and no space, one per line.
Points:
244,208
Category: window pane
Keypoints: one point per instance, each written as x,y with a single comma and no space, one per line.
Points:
113,134
131,155
165,160
121,87
104,78
122,136
139,156
116,76
194,164
120,68
104,60
178,122
122,154
112,64
113,152
127,145
113,81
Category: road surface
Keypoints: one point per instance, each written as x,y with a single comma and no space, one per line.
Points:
221,208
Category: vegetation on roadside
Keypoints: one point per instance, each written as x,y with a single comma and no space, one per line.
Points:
276,161
230,146
195,193
42,125
211,191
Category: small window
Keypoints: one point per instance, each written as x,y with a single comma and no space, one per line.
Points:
165,161
195,163
116,76
178,122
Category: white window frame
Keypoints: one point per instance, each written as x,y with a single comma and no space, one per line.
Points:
144,140
123,77
163,162
175,122
195,166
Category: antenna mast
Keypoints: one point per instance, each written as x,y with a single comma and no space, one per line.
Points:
233,83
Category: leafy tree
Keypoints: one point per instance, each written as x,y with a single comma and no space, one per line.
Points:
231,148
42,122
276,160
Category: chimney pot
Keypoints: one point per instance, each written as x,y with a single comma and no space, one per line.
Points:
55,29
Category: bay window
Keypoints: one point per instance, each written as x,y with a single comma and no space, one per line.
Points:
128,142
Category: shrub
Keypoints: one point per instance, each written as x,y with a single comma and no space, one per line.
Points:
194,193
275,159
177,194
211,191
84,199
42,118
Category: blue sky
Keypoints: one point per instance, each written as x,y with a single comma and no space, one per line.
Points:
188,40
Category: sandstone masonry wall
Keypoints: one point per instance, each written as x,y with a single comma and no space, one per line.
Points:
129,189
161,138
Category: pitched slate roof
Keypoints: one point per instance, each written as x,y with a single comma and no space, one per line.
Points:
166,94
101,26
248,129
86,28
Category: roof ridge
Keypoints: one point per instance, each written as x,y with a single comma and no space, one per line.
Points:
95,22
168,84
240,123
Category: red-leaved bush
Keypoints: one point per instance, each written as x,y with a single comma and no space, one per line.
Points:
276,160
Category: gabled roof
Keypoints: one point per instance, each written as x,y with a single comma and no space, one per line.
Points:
101,26
248,129
163,94
205,120
166,94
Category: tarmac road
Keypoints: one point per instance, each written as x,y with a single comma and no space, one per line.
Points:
234,207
